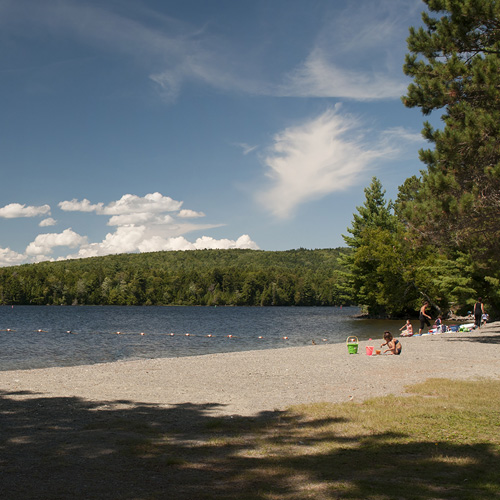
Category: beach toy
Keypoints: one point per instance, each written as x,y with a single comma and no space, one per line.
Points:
369,350
377,352
352,345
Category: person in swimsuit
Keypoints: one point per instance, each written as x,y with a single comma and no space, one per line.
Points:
393,345
424,318
407,329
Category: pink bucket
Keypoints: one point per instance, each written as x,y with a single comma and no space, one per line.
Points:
369,350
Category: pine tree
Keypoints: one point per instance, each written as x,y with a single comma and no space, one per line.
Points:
454,62
372,241
375,213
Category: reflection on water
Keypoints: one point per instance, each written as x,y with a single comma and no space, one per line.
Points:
63,336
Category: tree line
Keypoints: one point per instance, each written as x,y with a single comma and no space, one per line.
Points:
200,277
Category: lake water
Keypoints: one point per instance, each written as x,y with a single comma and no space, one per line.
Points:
40,336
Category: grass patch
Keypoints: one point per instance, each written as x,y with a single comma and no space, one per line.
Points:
441,441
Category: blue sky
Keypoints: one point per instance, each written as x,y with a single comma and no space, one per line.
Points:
134,126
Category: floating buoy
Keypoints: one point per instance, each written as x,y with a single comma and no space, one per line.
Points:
285,338
209,335
260,337
229,336
171,334
142,333
188,334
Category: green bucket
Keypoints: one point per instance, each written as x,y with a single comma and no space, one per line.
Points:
352,348
352,345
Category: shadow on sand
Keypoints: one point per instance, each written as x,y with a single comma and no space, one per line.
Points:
482,339
69,448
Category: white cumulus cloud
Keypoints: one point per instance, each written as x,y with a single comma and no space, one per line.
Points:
139,219
150,223
151,203
48,222
44,243
206,242
139,239
9,257
156,243
80,206
189,214
16,210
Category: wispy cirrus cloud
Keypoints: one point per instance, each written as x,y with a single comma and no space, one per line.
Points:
358,54
246,148
319,77
324,155
172,53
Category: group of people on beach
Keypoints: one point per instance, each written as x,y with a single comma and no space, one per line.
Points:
394,345
480,317
424,319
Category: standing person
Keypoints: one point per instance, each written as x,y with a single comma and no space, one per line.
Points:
478,312
424,317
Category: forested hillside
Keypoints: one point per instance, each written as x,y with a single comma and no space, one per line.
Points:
202,277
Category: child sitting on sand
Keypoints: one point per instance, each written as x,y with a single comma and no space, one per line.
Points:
407,329
393,345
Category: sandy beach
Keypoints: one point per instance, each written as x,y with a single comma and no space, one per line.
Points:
249,383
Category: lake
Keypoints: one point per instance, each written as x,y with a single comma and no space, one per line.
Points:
45,336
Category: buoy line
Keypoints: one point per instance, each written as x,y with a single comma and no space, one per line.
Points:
143,334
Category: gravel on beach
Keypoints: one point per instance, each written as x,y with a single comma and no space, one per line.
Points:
252,382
